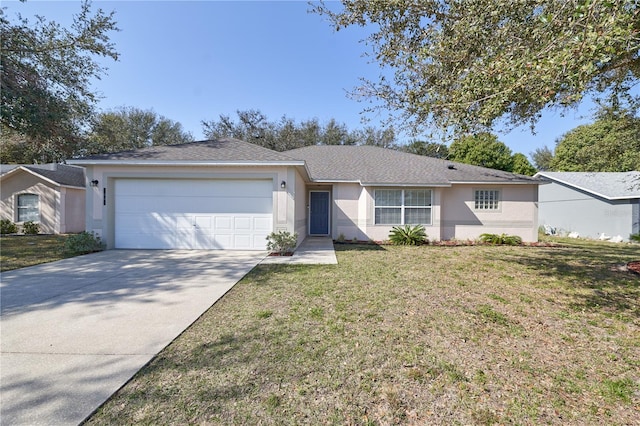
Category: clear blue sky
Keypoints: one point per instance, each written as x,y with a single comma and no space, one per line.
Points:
194,60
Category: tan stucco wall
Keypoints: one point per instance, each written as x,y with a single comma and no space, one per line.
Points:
517,215
72,212
100,217
452,214
346,219
381,232
26,183
300,206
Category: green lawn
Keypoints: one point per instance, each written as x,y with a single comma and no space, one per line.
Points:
408,335
18,251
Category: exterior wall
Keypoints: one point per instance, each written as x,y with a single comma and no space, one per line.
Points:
72,210
300,206
381,232
26,183
346,218
517,213
570,210
354,213
100,210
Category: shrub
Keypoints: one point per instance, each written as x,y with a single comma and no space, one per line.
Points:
8,227
509,240
83,243
30,228
635,237
282,242
408,235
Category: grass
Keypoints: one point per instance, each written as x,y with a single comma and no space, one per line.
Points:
19,251
408,335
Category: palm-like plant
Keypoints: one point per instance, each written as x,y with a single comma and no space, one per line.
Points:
408,235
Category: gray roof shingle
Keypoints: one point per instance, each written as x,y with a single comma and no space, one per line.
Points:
221,150
610,185
372,165
61,174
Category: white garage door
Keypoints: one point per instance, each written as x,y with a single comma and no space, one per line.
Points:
193,213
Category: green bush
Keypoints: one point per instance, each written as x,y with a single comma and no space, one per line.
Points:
635,237
30,228
408,235
282,242
83,243
8,227
509,240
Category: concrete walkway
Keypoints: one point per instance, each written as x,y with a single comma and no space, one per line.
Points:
312,251
74,331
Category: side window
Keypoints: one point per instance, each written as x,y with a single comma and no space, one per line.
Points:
487,199
28,208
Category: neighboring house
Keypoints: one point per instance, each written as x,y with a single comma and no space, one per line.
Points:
229,194
52,195
591,203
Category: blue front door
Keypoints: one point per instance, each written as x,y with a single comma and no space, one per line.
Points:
319,213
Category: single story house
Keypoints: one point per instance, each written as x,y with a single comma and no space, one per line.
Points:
230,194
591,203
52,195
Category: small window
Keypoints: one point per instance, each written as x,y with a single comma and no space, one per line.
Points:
402,207
487,199
28,209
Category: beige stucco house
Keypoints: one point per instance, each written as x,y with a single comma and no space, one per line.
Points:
229,194
52,195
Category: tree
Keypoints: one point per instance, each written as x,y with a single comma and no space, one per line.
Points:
132,128
429,149
465,65
482,149
383,138
521,165
19,148
253,126
46,74
542,158
610,144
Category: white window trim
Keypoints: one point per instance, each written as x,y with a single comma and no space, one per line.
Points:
402,207
18,207
498,202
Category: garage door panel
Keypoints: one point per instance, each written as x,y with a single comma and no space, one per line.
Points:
150,222
145,240
243,241
242,224
198,214
263,223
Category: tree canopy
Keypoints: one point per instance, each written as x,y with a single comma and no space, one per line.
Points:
429,149
131,128
255,127
610,144
47,70
542,158
484,149
467,65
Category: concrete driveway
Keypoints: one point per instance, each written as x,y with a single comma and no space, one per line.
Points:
74,331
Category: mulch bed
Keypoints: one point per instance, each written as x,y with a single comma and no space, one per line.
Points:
634,266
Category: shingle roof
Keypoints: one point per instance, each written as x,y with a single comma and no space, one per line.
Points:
372,165
61,174
221,150
609,185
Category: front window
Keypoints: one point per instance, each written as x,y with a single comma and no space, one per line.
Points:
487,199
402,206
28,209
